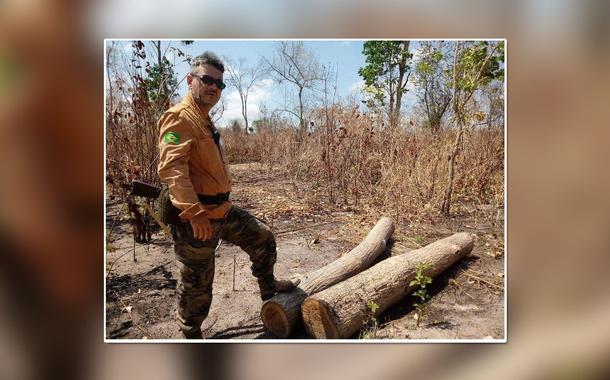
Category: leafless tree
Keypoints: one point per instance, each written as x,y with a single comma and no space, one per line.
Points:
244,79
293,63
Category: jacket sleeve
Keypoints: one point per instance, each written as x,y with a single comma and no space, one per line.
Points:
175,143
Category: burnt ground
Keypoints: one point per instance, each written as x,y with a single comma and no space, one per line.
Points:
466,301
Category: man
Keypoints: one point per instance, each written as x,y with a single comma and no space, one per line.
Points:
192,166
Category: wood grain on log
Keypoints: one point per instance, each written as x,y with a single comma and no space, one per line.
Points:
340,310
281,312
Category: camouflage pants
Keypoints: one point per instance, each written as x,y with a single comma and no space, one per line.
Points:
195,259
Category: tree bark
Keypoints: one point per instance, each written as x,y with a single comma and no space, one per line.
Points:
445,207
281,312
400,86
341,310
301,121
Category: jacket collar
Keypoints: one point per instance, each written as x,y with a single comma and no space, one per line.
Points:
191,105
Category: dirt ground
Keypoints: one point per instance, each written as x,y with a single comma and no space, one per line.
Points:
467,300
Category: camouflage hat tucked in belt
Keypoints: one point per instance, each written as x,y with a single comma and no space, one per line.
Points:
166,211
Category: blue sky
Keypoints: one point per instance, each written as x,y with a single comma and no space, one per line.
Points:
346,55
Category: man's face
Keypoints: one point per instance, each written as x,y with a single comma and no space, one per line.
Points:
205,95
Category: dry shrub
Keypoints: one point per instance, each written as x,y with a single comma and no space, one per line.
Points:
237,147
352,160
131,145
355,161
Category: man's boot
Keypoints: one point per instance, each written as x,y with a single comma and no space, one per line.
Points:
270,286
193,334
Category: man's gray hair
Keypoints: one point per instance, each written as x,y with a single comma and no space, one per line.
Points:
207,58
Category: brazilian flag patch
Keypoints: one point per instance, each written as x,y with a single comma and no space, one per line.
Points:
171,138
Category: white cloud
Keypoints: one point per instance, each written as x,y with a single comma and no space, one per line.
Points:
416,54
127,47
356,87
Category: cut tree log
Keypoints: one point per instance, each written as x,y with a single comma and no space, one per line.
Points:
281,313
342,309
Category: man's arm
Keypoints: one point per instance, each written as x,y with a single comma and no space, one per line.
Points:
175,144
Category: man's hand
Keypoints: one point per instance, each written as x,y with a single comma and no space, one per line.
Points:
202,228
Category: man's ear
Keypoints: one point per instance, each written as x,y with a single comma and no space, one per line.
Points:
189,79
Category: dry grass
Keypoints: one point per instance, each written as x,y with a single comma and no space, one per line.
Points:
356,162
352,162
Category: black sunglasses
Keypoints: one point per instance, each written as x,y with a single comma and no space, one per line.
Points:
206,79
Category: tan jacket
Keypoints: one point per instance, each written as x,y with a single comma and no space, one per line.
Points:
190,163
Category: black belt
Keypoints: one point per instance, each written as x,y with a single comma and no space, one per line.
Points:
213,199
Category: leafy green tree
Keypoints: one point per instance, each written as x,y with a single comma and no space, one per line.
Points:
161,82
433,78
386,75
475,64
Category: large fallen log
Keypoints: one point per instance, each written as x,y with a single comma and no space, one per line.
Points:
281,312
342,309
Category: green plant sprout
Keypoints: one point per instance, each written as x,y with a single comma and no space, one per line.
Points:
421,280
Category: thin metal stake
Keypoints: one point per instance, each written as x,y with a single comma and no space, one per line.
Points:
234,260
134,245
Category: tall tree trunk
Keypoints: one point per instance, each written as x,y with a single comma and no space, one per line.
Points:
392,92
460,100
244,107
445,207
342,309
301,121
281,313
157,45
110,53
402,70
456,145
